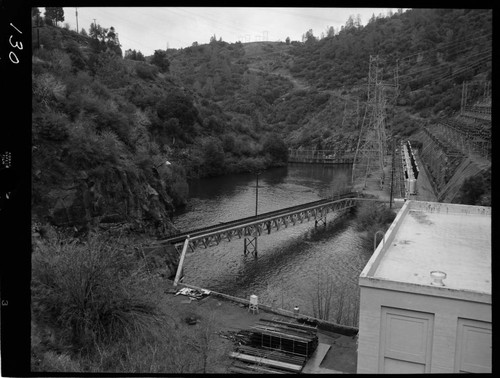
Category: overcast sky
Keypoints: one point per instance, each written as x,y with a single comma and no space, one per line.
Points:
151,28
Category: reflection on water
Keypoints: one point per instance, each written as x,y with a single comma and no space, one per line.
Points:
290,261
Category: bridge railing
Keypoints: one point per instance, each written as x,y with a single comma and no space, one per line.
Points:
224,225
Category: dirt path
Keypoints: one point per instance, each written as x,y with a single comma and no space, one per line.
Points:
298,84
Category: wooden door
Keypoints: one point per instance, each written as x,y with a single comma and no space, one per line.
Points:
405,341
474,343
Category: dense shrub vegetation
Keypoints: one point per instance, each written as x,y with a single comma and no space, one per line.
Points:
98,287
96,308
476,190
372,217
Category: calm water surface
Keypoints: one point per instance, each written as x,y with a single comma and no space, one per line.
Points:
291,261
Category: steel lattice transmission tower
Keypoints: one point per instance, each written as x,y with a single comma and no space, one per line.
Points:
368,164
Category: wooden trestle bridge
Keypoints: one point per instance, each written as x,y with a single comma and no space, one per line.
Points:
251,228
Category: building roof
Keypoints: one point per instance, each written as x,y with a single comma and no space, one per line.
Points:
431,236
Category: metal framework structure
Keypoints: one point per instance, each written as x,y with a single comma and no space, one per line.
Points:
265,225
452,144
476,99
470,139
253,227
369,157
441,158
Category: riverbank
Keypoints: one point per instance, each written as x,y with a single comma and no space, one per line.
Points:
165,332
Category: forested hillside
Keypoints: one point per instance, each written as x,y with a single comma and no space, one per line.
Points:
105,125
314,92
104,128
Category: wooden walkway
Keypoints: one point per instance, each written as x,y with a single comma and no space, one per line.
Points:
263,223
313,364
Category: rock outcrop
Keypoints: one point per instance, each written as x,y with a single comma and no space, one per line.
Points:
93,200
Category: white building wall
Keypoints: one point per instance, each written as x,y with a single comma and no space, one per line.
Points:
447,313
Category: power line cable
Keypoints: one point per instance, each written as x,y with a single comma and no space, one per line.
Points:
423,70
465,69
455,73
465,50
426,70
444,46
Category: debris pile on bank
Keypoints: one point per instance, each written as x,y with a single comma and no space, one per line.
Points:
193,294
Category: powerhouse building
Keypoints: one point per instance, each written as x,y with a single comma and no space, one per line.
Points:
425,303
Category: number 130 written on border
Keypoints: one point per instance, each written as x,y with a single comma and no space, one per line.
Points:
17,45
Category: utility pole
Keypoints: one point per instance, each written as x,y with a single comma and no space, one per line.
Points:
77,30
392,171
257,194
38,29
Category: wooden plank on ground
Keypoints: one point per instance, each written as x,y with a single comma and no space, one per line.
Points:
300,358
266,361
272,353
277,333
264,369
288,329
240,370
293,325
252,368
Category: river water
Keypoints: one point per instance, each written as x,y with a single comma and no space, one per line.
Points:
296,266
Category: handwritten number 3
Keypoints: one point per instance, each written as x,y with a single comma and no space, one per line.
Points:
17,45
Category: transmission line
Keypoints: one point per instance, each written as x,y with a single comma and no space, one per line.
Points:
437,74
481,57
465,69
444,46
425,69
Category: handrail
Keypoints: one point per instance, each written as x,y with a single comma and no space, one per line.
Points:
222,226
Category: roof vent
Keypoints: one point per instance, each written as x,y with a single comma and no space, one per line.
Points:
437,277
